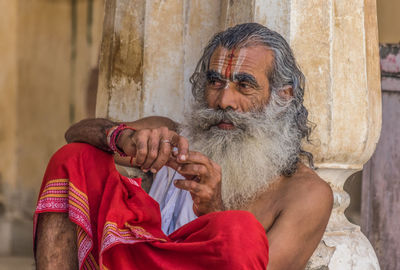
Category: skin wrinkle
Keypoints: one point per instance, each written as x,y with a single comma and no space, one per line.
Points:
248,78
250,85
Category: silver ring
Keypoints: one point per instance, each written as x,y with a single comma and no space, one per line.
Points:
166,141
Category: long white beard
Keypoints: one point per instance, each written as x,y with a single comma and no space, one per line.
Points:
251,156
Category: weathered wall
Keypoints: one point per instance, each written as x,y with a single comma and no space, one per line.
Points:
389,21
142,70
8,112
52,47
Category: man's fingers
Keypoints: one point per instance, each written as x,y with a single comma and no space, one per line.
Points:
182,144
172,163
200,193
163,156
141,139
130,148
196,157
152,149
193,169
189,185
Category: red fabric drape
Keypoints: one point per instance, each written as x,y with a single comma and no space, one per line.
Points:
119,224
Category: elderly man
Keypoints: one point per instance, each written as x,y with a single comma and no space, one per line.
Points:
244,133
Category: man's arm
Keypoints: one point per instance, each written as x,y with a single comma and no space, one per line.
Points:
93,131
299,229
150,145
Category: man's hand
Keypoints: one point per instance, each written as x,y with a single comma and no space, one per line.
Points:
151,148
203,181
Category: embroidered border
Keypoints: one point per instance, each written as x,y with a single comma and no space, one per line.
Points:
60,195
130,235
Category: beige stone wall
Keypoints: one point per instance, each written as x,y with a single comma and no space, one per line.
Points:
8,116
50,49
389,21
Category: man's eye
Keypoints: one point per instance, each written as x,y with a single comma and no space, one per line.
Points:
245,86
216,83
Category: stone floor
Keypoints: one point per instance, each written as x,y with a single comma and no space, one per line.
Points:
16,263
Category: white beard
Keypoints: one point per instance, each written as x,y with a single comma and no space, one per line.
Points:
251,156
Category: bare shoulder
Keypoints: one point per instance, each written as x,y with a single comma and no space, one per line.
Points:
306,204
306,189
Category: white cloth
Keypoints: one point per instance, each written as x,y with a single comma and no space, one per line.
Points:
176,205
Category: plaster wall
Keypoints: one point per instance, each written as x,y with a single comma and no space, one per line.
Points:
389,21
48,50
8,116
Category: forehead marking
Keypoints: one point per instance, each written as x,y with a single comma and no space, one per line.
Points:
240,59
221,62
229,66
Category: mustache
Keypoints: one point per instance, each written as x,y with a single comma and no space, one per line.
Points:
207,118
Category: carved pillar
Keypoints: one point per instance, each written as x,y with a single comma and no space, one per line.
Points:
150,48
336,44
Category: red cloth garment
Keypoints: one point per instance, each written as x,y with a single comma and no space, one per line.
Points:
119,224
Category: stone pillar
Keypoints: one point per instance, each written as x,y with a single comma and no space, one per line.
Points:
335,42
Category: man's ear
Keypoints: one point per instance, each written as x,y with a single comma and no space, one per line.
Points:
286,92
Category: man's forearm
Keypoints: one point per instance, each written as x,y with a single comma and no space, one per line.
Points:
91,131
94,131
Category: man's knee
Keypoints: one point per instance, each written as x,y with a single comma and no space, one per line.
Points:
55,241
79,154
77,150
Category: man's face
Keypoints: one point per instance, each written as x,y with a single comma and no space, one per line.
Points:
237,79
253,143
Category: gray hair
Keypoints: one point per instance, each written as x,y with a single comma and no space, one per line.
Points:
285,72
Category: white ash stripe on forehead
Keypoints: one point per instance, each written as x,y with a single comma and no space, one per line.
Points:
221,58
242,55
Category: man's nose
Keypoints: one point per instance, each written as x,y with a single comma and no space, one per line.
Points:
227,97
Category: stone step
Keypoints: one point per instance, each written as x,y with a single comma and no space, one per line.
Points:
16,263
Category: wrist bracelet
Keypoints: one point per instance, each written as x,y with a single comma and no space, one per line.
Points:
113,135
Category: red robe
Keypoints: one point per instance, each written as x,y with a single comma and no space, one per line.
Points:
119,224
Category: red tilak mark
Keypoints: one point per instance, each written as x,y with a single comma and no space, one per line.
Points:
229,66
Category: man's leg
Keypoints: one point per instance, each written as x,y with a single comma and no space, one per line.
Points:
56,246
62,212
